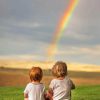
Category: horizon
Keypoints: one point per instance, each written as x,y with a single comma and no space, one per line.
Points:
26,64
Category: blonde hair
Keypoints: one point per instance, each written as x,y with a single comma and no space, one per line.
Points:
36,74
59,69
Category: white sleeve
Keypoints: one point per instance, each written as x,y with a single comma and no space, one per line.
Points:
51,85
27,89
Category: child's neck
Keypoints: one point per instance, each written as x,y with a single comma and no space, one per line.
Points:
60,78
35,82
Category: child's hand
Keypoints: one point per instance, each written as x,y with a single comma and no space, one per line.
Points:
49,95
25,98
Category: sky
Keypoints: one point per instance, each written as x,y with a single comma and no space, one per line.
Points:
27,29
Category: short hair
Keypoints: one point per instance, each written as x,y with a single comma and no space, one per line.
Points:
59,69
36,74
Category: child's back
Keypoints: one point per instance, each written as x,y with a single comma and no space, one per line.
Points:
35,91
61,88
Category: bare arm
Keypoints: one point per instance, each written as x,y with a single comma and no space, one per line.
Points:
25,96
73,86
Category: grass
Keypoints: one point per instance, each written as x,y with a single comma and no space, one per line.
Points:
91,92
11,93
86,93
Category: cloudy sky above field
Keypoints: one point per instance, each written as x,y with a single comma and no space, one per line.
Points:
27,28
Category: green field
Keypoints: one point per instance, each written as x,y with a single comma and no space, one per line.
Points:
91,92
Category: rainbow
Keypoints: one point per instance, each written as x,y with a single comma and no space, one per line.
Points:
62,25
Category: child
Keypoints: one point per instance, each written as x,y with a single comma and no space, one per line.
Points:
34,90
60,87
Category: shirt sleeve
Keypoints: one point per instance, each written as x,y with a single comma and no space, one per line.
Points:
51,86
27,89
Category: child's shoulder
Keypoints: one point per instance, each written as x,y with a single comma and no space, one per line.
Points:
29,84
68,79
34,84
55,80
